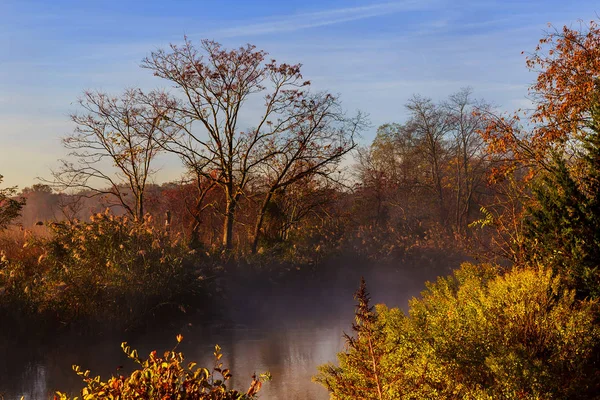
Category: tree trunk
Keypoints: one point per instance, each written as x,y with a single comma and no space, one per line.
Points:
139,209
440,191
195,234
259,221
228,223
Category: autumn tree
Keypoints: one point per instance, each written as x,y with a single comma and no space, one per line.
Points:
389,174
469,160
294,130
429,168
524,144
373,187
42,203
113,146
568,65
10,208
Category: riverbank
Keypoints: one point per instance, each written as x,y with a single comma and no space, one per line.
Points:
115,275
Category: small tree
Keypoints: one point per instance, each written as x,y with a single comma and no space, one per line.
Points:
10,208
114,145
361,374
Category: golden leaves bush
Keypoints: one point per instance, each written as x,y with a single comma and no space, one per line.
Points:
166,377
478,334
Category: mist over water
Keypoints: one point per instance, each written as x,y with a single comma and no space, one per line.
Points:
287,330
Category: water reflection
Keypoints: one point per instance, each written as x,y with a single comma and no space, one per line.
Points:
295,333
289,353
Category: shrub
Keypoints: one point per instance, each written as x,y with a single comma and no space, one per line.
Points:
165,377
479,334
107,269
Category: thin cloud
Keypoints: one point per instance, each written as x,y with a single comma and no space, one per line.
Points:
301,21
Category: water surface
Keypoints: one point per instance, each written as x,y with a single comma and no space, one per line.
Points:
287,331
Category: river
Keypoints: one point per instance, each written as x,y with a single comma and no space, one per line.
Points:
286,331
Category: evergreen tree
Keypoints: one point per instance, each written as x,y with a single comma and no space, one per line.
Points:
563,230
364,372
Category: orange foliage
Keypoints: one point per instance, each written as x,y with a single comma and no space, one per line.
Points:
568,63
567,82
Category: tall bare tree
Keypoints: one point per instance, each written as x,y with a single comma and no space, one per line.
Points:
469,157
314,146
213,86
114,144
431,125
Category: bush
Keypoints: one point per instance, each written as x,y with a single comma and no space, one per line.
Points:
108,269
479,334
165,378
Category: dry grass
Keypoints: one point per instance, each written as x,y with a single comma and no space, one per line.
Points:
13,239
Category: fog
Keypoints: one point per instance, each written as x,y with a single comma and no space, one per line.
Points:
286,329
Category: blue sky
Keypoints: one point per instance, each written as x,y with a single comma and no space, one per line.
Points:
374,54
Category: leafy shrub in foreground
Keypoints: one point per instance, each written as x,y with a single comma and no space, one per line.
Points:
478,334
165,378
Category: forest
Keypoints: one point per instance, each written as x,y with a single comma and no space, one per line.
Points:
503,207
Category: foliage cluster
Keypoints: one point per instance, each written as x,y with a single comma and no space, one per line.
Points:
166,377
478,334
10,208
107,269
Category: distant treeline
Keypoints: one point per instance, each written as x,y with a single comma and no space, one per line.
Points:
424,176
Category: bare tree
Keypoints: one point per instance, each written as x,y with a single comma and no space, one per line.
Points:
431,125
114,144
213,85
314,146
469,159
70,206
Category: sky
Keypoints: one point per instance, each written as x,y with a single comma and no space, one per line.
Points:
375,55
